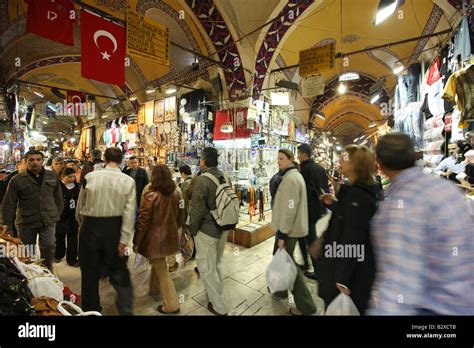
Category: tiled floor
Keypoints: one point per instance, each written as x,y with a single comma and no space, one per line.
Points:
245,288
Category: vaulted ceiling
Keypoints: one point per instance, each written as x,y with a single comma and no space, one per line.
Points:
233,32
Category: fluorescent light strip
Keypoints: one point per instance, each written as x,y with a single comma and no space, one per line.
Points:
385,13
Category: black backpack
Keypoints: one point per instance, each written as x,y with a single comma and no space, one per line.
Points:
15,295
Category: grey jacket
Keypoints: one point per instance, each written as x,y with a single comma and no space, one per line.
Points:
33,205
202,202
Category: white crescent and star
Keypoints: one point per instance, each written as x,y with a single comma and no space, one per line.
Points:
99,33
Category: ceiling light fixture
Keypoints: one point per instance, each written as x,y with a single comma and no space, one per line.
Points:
132,98
150,90
342,89
349,76
171,90
385,10
372,125
375,98
398,69
321,116
41,95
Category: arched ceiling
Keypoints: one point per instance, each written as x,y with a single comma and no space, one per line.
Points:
250,39
349,24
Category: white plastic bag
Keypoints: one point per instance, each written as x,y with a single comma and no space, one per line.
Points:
281,272
41,281
74,310
342,305
140,260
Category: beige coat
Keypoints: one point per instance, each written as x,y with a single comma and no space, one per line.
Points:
290,211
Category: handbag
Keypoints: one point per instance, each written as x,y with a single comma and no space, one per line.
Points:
186,244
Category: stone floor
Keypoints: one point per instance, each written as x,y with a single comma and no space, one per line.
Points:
245,287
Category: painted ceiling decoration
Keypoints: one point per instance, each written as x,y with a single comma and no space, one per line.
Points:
430,26
358,87
336,120
216,27
272,40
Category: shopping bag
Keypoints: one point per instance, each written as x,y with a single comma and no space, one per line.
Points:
342,305
186,244
281,272
41,281
69,309
140,260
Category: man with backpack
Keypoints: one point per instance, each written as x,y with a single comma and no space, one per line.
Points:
214,210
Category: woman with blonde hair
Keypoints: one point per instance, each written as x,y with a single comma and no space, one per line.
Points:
161,215
346,262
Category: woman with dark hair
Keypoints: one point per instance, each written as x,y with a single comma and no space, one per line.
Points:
161,216
290,220
352,271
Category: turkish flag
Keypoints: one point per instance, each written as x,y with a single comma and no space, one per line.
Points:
76,98
102,49
52,19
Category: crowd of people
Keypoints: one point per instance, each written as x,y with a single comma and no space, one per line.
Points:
408,250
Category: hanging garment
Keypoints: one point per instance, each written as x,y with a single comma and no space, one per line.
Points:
435,97
460,85
462,45
434,73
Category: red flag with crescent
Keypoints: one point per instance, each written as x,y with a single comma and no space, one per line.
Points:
76,98
53,20
103,46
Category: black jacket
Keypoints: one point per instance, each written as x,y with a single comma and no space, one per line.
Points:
349,226
141,180
316,181
4,184
34,205
89,167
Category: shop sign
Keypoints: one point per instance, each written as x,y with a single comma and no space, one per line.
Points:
147,39
238,118
312,86
317,59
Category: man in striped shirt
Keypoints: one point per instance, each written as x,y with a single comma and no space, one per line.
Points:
106,213
423,240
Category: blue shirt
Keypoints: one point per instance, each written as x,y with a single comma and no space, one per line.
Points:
423,240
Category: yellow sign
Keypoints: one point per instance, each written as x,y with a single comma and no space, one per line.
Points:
147,39
316,60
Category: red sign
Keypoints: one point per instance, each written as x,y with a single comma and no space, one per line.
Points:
102,49
238,119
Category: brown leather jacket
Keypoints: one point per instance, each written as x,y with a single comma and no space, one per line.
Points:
160,219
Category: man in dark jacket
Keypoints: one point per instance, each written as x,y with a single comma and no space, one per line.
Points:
96,158
316,181
209,238
37,196
139,175
20,168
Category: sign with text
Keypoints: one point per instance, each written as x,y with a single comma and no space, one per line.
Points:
147,39
312,86
317,59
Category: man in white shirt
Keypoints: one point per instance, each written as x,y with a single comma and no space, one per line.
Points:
106,213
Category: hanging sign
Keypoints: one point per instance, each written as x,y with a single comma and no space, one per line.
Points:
317,59
147,39
312,86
